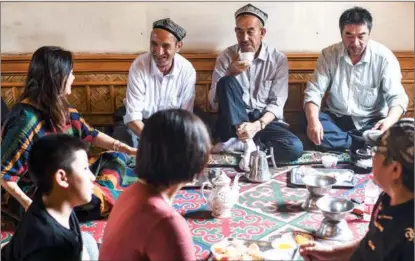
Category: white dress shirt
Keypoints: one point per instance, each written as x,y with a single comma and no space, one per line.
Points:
264,83
363,91
148,91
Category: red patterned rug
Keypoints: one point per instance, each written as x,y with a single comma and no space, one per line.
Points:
263,211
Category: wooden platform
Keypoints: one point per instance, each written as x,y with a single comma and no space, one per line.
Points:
100,83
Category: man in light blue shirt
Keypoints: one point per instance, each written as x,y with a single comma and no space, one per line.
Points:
250,94
363,82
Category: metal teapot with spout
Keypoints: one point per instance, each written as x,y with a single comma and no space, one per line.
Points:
258,162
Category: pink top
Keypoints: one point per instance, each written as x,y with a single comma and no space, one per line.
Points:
143,226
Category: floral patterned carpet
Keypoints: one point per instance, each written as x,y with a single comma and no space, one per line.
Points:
308,157
263,210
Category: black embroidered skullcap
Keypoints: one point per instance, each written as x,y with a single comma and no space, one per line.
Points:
397,143
252,10
170,26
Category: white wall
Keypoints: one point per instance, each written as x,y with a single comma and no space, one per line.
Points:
124,27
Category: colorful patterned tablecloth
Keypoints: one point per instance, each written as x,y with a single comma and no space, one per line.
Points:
263,211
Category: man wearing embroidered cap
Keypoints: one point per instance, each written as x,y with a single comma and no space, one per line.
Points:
160,79
391,229
250,88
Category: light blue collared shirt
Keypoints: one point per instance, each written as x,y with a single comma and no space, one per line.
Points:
365,90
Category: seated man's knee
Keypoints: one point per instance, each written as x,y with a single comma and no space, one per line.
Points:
288,150
225,83
296,149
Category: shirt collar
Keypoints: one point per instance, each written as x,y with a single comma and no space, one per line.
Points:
263,52
156,72
366,56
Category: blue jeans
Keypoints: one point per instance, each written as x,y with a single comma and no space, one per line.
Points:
287,146
340,133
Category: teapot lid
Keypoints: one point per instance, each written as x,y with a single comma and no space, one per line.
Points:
222,179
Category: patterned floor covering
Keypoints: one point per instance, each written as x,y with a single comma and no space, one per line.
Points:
263,211
308,157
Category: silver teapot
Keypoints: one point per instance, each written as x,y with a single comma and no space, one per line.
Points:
258,163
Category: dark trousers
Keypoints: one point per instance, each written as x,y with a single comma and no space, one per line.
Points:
286,145
4,111
340,133
124,134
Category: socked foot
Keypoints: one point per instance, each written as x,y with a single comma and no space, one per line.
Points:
249,148
233,144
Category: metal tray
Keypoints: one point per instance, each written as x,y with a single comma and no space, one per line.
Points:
349,181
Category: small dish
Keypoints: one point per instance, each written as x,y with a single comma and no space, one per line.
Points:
234,249
329,161
276,254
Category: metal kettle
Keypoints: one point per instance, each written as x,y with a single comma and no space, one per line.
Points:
258,162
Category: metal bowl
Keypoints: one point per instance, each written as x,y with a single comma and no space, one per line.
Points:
318,185
358,156
333,208
365,153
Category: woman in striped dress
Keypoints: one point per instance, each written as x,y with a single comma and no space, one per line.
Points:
43,108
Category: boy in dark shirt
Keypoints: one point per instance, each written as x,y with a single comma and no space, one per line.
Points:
391,229
58,164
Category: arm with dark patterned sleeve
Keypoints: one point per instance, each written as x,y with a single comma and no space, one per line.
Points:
97,138
17,138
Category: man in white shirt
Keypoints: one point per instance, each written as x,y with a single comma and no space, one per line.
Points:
158,80
250,96
363,82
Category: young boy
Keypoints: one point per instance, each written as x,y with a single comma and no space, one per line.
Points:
58,164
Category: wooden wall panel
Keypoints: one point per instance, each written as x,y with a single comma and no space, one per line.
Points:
101,79
409,88
201,96
294,100
78,98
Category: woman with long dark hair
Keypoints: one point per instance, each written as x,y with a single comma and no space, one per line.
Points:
43,108
174,149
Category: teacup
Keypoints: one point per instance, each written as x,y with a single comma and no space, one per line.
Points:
329,161
247,57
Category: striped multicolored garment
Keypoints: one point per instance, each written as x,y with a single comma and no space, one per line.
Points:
26,124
